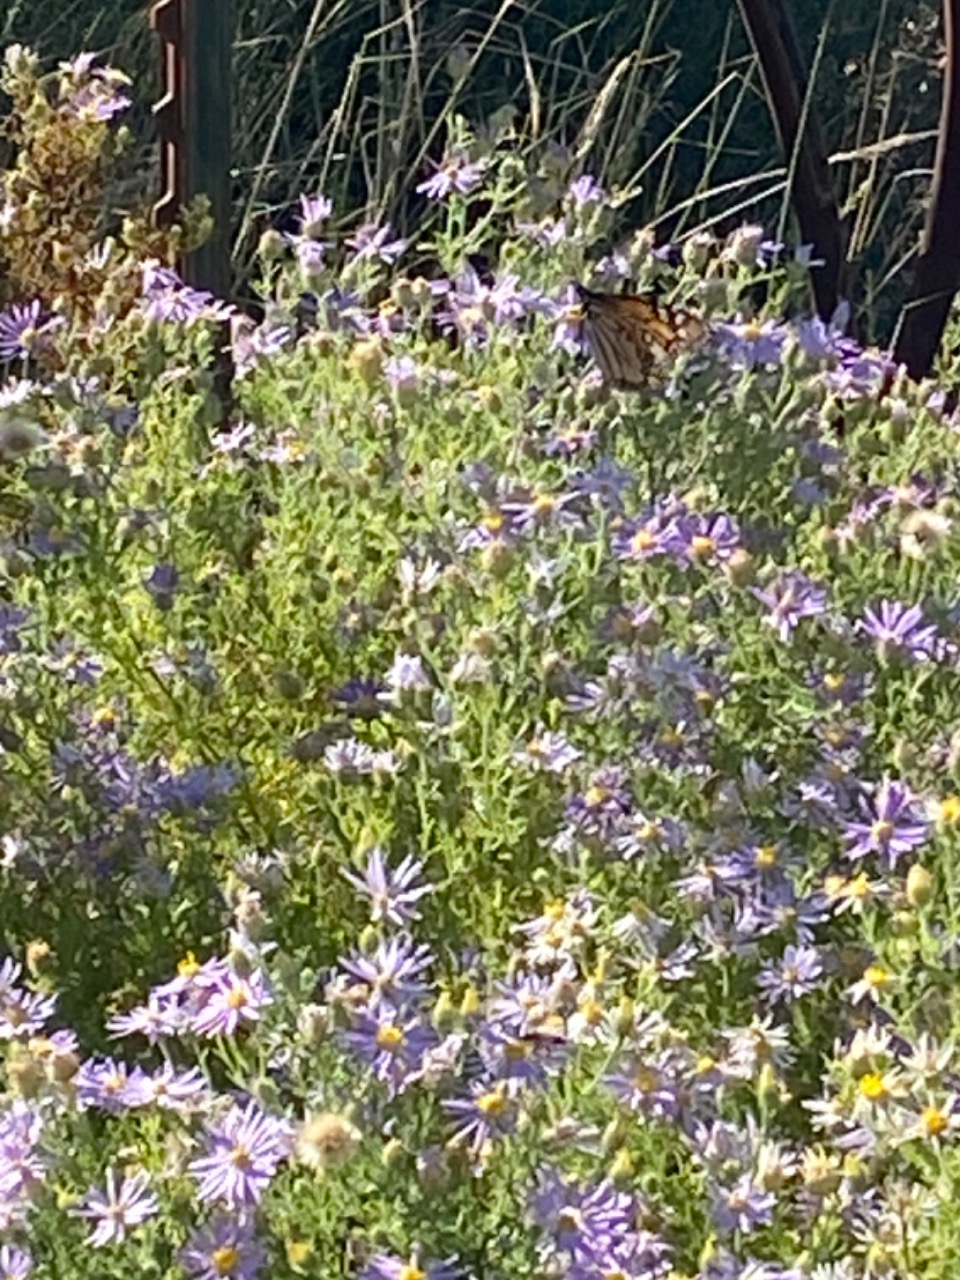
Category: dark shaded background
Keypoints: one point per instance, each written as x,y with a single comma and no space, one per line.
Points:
379,70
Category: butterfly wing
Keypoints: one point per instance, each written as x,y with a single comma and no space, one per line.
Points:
635,338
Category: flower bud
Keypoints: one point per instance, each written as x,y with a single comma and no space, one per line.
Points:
443,1016
621,1167
919,886
741,568
366,359
272,246
392,1153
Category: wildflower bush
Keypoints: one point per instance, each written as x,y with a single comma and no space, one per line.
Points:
460,820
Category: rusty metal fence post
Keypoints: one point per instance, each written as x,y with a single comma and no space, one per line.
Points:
194,123
193,118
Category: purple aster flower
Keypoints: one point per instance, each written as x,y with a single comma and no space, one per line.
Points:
646,1088
227,1000
351,759
512,302
311,258
386,1267
860,375
391,974
533,511
586,190
523,1004
15,1264
373,241
823,342
360,697
795,975
748,246
897,825
457,174
314,212
407,675
183,1092
568,328
709,539
394,893
582,1223
645,836
250,344
118,1208
599,810
639,1256
899,631
225,1249
747,345
547,752
391,1045
20,327
166,299
489,1112
784,913
162,583
791,597
22,1013
744,1207
97,93
604,485
404,375
243,1153
23,1166
650,536
110,1086
525,1057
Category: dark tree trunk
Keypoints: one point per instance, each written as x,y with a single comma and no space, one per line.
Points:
811,192
937,274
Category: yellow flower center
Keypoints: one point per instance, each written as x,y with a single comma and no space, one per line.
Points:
643,540
240,1157
412,1272
876,976
644,1079
873,1087
493,1103
225,1259
766,857
933,1121
389,1038
592,1012
882,831
701,545
950,810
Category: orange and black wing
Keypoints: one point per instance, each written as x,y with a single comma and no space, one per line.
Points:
635,338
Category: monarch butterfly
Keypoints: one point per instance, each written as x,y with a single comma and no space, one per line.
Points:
635,338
